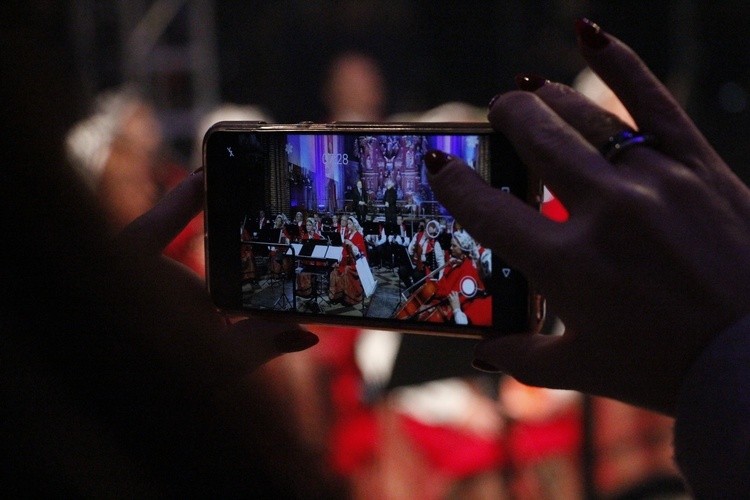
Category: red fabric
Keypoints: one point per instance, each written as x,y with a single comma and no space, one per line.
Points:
187,247
478,308
354,441
453,452
348,259
530,442
354,434
554,210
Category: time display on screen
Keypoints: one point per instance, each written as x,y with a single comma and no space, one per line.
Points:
336,158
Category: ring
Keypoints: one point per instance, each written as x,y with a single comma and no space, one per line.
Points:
621,141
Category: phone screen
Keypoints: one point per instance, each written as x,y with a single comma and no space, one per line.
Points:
341,227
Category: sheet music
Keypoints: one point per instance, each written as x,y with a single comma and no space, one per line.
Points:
294,249
334,253
319,251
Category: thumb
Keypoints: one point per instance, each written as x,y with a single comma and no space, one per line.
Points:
250,343
537,360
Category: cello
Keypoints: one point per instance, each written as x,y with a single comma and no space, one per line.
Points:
422,305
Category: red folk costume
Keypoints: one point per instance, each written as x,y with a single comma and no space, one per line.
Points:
305,281
464,279
277,262
424,253
461,276
345,283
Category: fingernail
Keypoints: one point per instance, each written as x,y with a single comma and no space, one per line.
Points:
590,34
530,82
435,160
295,340
197,170
484,366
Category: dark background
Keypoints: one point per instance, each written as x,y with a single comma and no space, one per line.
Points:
274,53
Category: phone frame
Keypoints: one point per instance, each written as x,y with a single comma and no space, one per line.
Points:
530,190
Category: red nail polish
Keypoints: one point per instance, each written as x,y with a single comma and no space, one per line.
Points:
590,34
530,82
435,160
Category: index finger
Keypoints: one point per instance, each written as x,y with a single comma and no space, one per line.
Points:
498,219
647,100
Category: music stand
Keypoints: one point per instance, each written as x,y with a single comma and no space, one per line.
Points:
391,231
315,249
371,227
283,301
333,237
307,248
401,259
274,234
264,234
293,231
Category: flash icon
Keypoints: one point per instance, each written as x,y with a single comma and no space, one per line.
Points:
231,154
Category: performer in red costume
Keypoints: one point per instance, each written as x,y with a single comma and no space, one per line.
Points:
306,281
345,283
462,285
459,295
280,264
426,255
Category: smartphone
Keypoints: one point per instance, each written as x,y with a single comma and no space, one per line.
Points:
336,224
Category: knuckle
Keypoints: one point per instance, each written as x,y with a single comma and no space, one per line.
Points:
508,103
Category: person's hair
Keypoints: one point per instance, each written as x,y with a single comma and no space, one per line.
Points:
355,223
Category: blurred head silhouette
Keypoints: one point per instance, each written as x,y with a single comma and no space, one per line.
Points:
354,89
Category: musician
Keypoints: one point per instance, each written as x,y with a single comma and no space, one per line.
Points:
401,237
306,281
334,222
344,226
376,245
277,262
345,285
406,269
461,287
300,221
280,223
459,296
260,231
318,222
398,243
360,199
262,223
426,255
390,199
